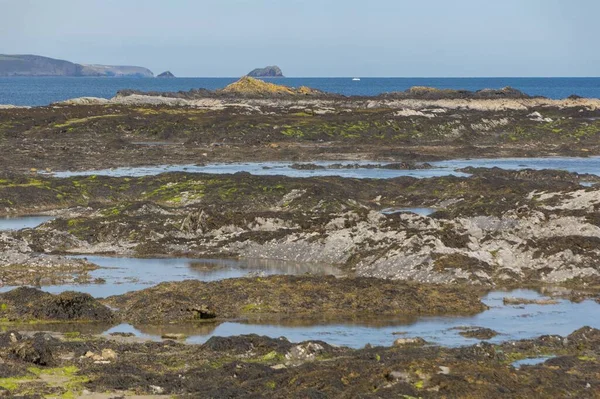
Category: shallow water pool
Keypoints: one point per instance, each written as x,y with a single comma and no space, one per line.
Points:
589,165
418,211
511,322
23,222
131,274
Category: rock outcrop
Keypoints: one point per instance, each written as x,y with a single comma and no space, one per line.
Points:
248,86
432,93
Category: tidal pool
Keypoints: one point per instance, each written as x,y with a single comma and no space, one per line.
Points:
122,275
511,322
270,168
532,361
418,211
589,165
22,222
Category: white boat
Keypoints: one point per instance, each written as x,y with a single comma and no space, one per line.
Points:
356,79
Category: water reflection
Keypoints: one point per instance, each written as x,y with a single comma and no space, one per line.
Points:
122,275
511,322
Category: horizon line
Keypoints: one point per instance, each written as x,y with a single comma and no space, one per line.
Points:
317,77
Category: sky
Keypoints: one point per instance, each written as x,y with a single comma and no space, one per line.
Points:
320,38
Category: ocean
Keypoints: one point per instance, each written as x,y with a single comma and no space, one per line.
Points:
45,90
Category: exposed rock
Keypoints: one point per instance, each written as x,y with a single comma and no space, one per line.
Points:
248,86
37,350
477,332
24,304
305,352
173,336
304,297
409,341
523,301
431,93
83,101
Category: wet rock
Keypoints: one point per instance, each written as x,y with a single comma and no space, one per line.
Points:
247,343
8,338
409,341
173,336
306,166
525,301
104,357
37,350
287,296
305,352
478,332
32,304
122,334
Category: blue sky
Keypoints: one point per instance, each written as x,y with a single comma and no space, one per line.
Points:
314,37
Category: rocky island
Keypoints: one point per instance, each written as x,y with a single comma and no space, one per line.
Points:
299,177
35,65
267,72
166,74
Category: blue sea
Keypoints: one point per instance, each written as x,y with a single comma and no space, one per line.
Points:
45,90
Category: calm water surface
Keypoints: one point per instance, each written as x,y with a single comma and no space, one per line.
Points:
22,222
45,90
511,322
132,274
589,165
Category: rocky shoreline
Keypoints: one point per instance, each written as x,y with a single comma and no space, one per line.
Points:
487,228
251,121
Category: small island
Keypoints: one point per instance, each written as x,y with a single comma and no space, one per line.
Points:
267,72
166,74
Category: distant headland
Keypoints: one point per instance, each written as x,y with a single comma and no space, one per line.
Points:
35,65
266,72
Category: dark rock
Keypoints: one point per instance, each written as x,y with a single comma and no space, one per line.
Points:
432,93
478,333
8,338
245,343
37,350
306,166
26,303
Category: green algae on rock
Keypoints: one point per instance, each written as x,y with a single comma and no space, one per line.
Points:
292,297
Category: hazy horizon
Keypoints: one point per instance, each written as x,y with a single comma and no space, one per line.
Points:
391,38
